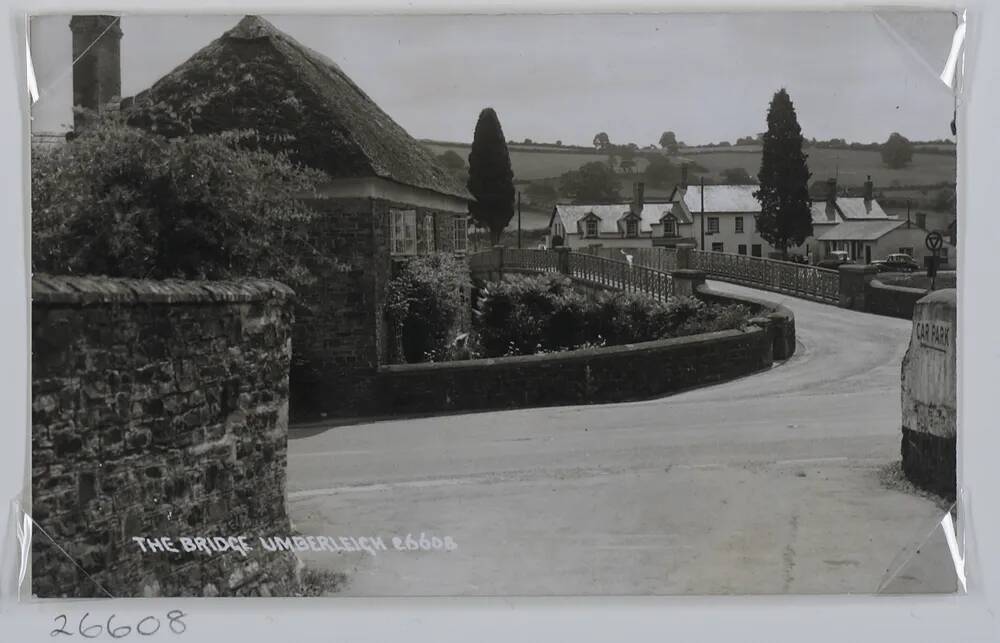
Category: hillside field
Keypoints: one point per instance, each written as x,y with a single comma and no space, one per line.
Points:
854,166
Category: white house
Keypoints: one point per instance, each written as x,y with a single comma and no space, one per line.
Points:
620,225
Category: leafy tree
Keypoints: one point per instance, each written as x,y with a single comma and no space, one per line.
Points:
785,218
601,141
668,141
541,193
558,143
593,183
491,179
124,202
897,151
736,176
451,160
661,171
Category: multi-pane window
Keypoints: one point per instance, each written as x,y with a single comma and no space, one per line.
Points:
718,247
461,231
403,232
739,224
590,227
742,248
632,228
669,226
713,225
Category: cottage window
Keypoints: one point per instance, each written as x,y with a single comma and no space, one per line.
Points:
461,231
713,225
632,228
718,247
755,250
403,232
669,226
739,224
590,227
741,249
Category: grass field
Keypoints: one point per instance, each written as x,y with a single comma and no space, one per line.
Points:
850,166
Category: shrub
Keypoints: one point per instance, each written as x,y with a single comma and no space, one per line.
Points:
424,302
525,315
123,202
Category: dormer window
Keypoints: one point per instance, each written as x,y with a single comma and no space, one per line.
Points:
632,228
590,227
669,226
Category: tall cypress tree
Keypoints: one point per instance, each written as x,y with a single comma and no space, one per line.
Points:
785,218
491,179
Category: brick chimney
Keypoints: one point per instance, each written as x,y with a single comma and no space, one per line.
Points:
638,197
869,189
684,176
97,74
831,191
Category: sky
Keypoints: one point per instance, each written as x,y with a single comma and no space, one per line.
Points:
707,77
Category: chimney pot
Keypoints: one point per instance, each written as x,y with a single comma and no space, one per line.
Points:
638,196
684,176
869,189
831,193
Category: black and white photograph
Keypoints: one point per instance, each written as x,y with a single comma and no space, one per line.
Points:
493,305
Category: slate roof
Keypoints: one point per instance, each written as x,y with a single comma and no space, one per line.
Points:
859,208
722,198
257,77
610,214
860,230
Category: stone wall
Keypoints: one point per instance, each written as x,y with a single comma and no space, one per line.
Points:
158,409
611,374
777,320
929,397
892,301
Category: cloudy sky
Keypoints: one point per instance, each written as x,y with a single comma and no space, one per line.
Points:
708,77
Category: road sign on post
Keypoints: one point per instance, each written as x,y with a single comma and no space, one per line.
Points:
934,241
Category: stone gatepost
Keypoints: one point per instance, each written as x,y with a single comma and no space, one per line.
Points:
562,259
854,280
684,255
686,282
929,395
497,263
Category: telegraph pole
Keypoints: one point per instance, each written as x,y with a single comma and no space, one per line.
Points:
702,217
518,219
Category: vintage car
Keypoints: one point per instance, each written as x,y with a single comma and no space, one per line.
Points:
897,262
835,259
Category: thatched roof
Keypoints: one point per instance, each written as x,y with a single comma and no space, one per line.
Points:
255,77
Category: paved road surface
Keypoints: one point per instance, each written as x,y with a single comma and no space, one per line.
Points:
767,484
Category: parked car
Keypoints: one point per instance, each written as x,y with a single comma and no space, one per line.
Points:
897,262
835,259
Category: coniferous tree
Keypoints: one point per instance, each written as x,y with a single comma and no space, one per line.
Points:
491,179
785,218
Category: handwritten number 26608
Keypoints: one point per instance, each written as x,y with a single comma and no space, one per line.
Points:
146,627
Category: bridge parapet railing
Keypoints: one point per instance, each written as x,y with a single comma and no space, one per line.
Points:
800,280
599,271
664,259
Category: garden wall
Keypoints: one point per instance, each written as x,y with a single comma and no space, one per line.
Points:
611,374
158,409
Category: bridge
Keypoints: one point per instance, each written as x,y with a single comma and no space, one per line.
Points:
773,483
649,269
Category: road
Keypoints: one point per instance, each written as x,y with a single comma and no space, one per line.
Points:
773,483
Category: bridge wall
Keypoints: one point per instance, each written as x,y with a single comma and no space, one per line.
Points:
892,301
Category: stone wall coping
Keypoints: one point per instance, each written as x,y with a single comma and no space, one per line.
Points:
572,355
71,290
947,296
878,283
773,309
